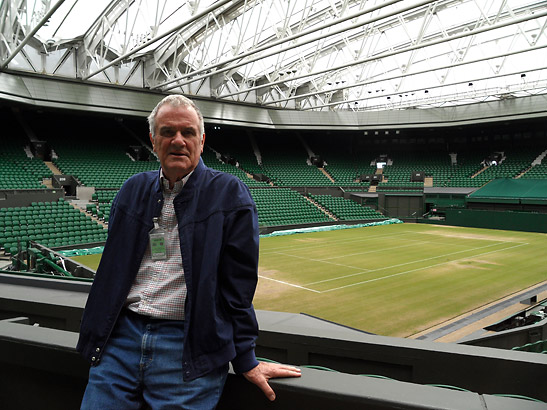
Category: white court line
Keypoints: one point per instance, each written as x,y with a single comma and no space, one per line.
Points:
289,284
359,268
402,264
331,242
374,251
414,243
417,269
312,245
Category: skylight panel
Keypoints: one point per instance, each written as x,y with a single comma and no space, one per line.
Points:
71,20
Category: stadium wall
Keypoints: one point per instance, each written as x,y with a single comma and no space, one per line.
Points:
507,220
406,205
16,197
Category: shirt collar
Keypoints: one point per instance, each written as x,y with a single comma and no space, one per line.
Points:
164,182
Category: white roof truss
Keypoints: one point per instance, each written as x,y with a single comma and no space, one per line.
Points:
299,54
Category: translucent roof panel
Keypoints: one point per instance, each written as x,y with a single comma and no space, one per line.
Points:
70,20
297,54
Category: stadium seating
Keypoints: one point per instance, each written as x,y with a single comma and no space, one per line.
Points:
346,172
516,161
210,159
537,347
537,171
113,171
283,206
292,170
399,173
346,209
49,223
101,161
18,170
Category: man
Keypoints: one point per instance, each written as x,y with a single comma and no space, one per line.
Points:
171,303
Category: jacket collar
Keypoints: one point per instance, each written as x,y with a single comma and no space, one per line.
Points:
189,184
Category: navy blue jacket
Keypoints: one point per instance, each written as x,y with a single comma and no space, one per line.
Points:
218,229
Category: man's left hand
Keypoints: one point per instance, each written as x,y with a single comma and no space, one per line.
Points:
266,371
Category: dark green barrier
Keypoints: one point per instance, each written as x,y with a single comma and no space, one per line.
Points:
512,221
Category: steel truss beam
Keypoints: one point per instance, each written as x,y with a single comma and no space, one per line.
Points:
393,53
159,37
303,54
255,52
30,34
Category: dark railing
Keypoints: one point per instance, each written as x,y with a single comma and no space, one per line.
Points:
341,368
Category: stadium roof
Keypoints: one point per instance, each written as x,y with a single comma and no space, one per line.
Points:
341,55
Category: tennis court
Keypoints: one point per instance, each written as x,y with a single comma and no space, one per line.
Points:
396,280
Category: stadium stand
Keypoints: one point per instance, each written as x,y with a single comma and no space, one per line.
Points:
115,165
19,169
53,224
283,206
266,162
538,168
537,347
346,209
286,163
347,172
211,160
511,164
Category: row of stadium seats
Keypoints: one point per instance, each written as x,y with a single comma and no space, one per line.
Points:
107,168
49,223
346,209
284,169
18,171
536,171
283,206
209,158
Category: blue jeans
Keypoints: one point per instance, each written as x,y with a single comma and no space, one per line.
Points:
141,367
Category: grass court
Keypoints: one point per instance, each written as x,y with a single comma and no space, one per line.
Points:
394,280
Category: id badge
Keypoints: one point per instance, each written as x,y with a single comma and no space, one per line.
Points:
158,250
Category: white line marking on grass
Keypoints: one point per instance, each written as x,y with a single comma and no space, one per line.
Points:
373,251
417,269
289,284
331,242
406,263
360,268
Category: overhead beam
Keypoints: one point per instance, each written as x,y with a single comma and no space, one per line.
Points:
447,97
289,39
31,34
195,17
111,14
395,52
395,77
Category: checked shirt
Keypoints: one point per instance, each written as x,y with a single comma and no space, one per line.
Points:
159,289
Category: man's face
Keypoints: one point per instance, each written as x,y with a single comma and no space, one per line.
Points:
178,142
